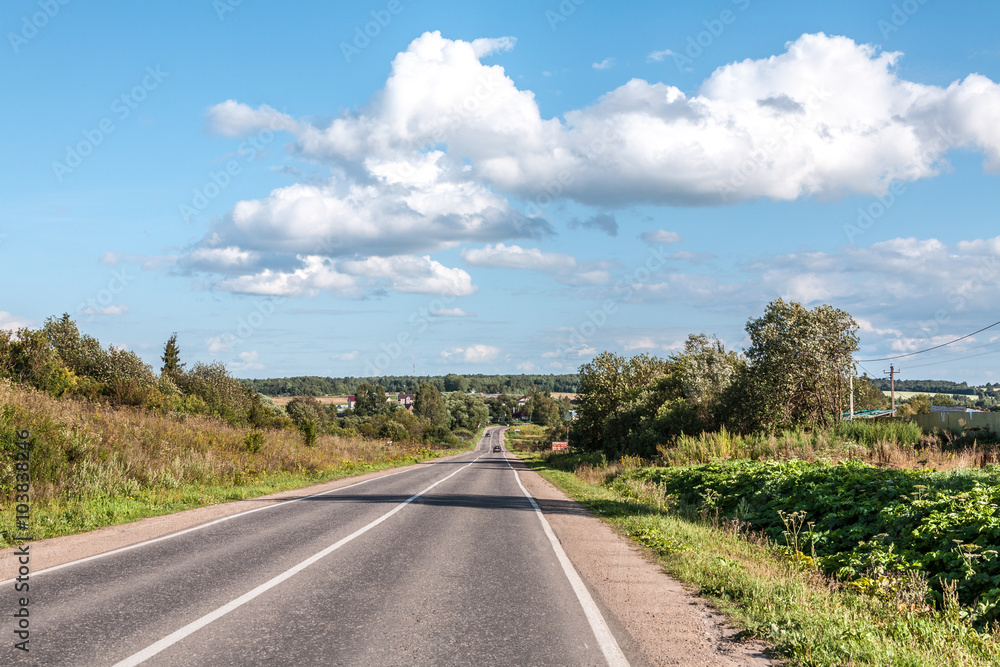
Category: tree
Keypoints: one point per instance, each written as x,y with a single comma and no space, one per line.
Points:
704,372
867,396
502,408
306,408
466,411
543,410
81,354
453,382
943,399
370,400
918,404
797,364
429,404
608,384
172,365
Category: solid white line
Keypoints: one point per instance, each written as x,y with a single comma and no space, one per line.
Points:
609,645
196,625
205,525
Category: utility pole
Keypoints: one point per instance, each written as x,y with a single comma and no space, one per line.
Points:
852,396
892,385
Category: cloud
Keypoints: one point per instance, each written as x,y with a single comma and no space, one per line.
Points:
314,274
661,237
345,356
604,222
232,119
474,354
248,361
659,56
433,160
220,343
826,117
561,266
904,290
451,312
607,63
9,322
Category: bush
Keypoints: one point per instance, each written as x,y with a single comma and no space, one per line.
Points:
308,429
254,441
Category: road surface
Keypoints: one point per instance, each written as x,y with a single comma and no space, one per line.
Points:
445,563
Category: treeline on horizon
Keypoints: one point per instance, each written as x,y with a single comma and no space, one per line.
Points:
310,385
934,386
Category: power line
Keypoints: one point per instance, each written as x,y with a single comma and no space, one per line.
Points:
910,354
945,361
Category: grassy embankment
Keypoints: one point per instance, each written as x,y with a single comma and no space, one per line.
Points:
712,526
94,465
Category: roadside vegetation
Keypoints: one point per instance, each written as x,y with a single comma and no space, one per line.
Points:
112,441
768,586
839,542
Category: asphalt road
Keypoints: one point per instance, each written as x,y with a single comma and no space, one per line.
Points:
446,563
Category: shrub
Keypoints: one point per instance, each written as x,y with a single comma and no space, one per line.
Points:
308,429
254,441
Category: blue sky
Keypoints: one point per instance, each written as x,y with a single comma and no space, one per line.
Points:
504,188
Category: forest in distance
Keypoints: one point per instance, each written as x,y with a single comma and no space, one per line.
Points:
485,384
311,385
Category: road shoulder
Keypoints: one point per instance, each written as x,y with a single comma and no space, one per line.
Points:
670,625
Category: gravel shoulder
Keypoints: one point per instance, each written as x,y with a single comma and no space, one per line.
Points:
669,624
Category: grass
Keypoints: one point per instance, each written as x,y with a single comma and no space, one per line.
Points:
809,618
94,466
889,443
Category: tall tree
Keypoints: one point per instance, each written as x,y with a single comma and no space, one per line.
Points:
370,400
428,403
608,384
797,364
172,365
466,411
453,382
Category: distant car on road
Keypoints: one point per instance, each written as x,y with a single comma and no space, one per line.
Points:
496,448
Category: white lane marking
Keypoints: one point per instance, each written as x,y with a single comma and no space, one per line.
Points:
609,645
210,523
196,625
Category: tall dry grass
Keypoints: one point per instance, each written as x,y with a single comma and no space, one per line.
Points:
81,448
